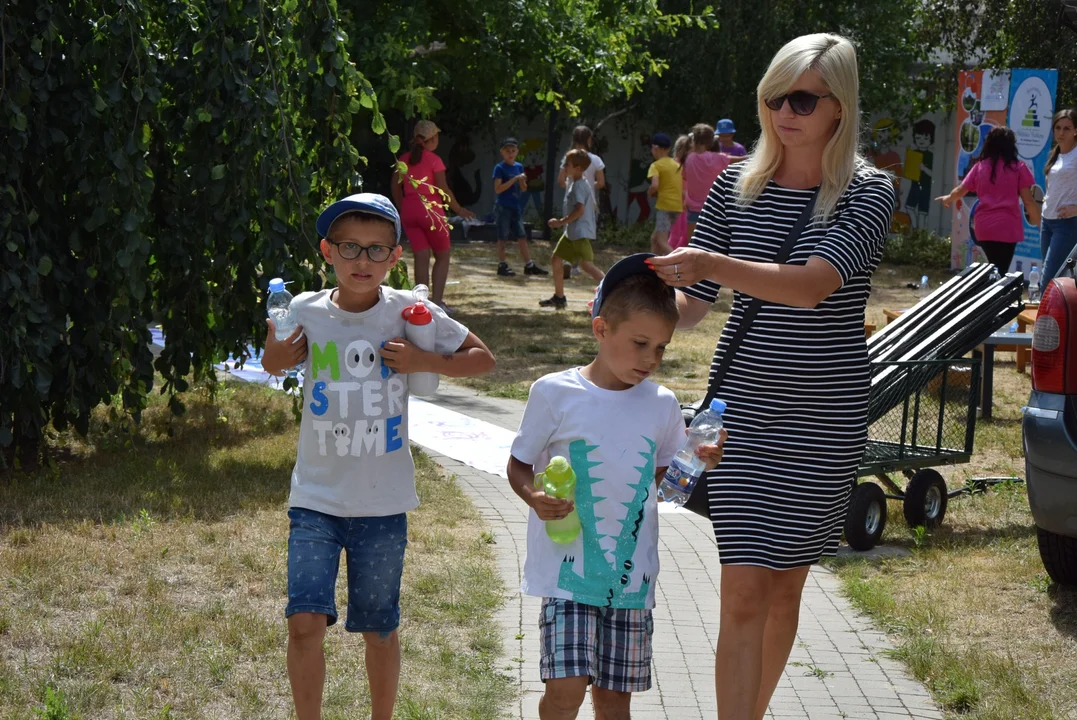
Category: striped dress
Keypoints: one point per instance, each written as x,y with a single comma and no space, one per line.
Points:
797,389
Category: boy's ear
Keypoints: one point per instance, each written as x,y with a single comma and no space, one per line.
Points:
394,258
324,247
600,328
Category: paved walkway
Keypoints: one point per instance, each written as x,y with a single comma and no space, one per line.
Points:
839,666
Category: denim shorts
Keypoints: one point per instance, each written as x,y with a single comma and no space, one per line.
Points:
693,216
374,549
510,222
611,646
664,219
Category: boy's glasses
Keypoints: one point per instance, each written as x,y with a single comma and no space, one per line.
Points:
801,102
352,251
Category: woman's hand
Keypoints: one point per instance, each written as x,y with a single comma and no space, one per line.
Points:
1067,211
403,356
465,213
712,454
684,266
946,200
280,355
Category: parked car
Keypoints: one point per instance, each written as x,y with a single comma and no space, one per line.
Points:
1049,427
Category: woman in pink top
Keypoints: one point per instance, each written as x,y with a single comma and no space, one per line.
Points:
701,168
999,180
422,197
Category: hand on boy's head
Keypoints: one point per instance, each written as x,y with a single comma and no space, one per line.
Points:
712,454
550,508
282,354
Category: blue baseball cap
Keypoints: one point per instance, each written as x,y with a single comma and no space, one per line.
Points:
661,140
725,126
368,203
622,270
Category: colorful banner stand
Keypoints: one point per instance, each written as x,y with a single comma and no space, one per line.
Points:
1023,100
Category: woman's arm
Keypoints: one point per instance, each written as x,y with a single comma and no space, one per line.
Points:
692,311
803,286
439,180
562,177
957,193
1031,206
396,190
600,179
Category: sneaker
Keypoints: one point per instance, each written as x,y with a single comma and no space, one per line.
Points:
576,270
532,269
557,301
448,309
568,272
504,270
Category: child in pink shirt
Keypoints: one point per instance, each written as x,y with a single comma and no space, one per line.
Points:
701,168
678,234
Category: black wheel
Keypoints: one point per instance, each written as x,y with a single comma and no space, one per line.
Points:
866,519
1059,556
925,499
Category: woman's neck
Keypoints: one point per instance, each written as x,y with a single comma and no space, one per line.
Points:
800,168
1063,149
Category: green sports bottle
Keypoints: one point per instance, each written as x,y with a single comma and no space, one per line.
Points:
559,481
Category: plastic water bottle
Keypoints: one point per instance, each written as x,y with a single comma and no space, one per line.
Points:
925,287
279,306
1034,284
685,470
420,332
558,480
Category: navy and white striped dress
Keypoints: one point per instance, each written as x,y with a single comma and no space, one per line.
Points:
797,389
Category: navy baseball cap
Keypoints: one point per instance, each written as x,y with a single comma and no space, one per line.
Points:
368,203
661,140
621,270
509,141
725,126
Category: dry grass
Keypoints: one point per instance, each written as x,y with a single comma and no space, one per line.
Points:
146,578
971,608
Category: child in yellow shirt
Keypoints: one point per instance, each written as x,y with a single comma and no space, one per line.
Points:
666,185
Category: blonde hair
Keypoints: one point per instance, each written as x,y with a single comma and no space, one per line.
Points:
834,58
681,148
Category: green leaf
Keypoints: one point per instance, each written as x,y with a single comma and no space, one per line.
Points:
44,265
330,79
20,121
12,246
377,124
197,47
99,103
217,172
91,272
203,115
366,101
394,144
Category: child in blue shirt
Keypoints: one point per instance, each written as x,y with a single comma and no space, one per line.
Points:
510,182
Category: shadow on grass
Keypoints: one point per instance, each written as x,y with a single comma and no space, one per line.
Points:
1064,610
223,455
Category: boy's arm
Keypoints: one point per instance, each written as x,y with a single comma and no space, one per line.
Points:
522,480
576,214
653,189
471,358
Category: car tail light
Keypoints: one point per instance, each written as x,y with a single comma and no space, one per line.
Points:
1054,339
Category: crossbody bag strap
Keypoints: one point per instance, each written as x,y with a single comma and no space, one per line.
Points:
753,308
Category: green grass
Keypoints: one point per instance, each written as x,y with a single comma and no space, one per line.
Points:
144,577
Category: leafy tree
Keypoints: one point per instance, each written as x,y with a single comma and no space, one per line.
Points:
160,160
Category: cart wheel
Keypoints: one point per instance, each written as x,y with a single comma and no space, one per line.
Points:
866,519
925,499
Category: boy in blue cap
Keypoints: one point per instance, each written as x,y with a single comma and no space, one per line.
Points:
725,130
619,432
354,480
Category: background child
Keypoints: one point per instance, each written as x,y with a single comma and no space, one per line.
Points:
725,142
666,185
619,431
582,224
422,208
595,174
701,168
678,234
354,480
510,181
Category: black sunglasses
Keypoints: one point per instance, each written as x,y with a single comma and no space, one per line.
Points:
352,251
801,102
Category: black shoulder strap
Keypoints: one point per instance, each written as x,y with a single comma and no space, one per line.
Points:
753,308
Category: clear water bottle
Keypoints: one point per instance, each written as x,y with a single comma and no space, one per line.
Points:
279,306
558,480
685,470
925,287
420,332
1034,284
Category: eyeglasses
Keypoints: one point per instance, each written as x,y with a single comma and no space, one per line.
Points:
352,251
801,102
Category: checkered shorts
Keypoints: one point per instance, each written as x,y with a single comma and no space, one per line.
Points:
612,646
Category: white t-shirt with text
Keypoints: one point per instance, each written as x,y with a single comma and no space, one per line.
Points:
615,442
353,458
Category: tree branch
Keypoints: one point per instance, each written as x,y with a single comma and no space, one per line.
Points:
613,115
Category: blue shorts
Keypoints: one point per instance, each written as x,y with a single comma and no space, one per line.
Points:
693,216
374,549
510,222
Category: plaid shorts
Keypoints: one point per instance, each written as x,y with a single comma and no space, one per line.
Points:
612,646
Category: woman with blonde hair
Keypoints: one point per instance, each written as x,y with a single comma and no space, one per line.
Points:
797,381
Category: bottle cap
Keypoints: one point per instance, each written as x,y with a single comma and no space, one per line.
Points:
1035,267
276,285
718,406
558,469
417,314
